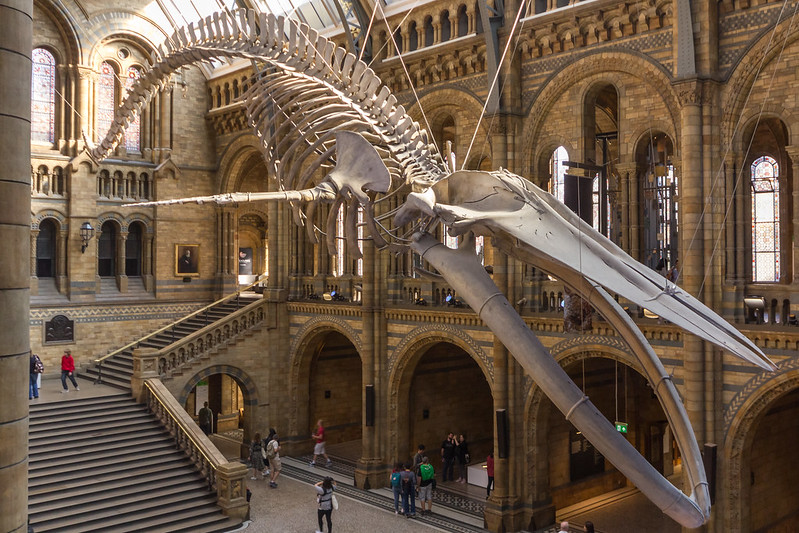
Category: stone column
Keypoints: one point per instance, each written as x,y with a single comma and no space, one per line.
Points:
628,204
692,203
147,263
61,261
145,366
793,153
121,259
16,28
34,279
61,106
85,114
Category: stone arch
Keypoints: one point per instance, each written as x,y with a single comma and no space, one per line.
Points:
113,217
145,220
233,160
403,360
760,53
540,161
605,66
536,416
69,31
769,110
301,357
122,24
59,217
243,379
741,417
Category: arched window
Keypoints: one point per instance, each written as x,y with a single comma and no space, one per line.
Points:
413,37
359,264
429,34
463,21
341,247
107,250
133,247
765,220
133,132
45,249
43,96
556,172
106,99
446,28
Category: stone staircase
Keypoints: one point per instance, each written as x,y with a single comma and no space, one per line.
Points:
106,464
117,370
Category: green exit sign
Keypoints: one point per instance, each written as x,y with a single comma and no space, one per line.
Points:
621,427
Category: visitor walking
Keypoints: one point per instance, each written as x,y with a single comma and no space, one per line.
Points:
490,473
319,448
396,486
463,457
205,418
448,457
427,482
68,371
256,456
408,483
273,454
417,459
325,501
35,371
267,440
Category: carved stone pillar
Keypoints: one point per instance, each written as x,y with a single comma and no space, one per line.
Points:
86,115
793,253
226,255
145,366
34,278
61,261
231,490
121,260
147,263
628,205
61,107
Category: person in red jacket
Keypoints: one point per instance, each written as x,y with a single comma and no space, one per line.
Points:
490,472
68,370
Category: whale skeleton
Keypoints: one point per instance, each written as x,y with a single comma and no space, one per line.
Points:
313,104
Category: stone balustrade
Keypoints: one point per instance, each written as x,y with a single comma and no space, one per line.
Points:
202,343
227,478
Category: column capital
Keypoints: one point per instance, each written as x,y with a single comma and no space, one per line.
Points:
793,153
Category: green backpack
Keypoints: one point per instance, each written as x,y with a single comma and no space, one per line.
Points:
426,472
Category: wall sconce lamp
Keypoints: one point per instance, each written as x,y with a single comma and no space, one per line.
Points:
86,234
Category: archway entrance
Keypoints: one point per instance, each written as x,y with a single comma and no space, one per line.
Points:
449,394
770,470
225,398
578,472
335,386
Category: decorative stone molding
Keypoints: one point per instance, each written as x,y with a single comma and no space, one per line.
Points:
433,333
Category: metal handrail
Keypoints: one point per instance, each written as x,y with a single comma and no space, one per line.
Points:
205,309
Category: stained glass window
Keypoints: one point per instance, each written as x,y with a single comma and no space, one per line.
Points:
133,132
43,96
359,266
556,171
340,244
106,99
765,220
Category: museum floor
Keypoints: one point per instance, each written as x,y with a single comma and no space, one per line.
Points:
292,506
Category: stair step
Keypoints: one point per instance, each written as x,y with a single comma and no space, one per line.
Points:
121,459
68,437
46,459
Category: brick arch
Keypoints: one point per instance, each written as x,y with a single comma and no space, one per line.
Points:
745,75
58,216
540,161
403,360
741,418
536,413
768,110
145,220
236,154
70,30
466,101
121,23
641,135
243,379
604,66
113,217
301,355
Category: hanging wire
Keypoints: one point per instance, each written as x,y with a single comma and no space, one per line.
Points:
494,81
718,175
740,173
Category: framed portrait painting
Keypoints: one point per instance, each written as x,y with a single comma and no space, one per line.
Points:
187,259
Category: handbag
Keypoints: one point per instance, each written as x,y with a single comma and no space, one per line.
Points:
263,453
334,501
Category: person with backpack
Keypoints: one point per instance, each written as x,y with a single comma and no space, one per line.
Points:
427,482
273,455
326,502
396,486
408,485
35,371
267,440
